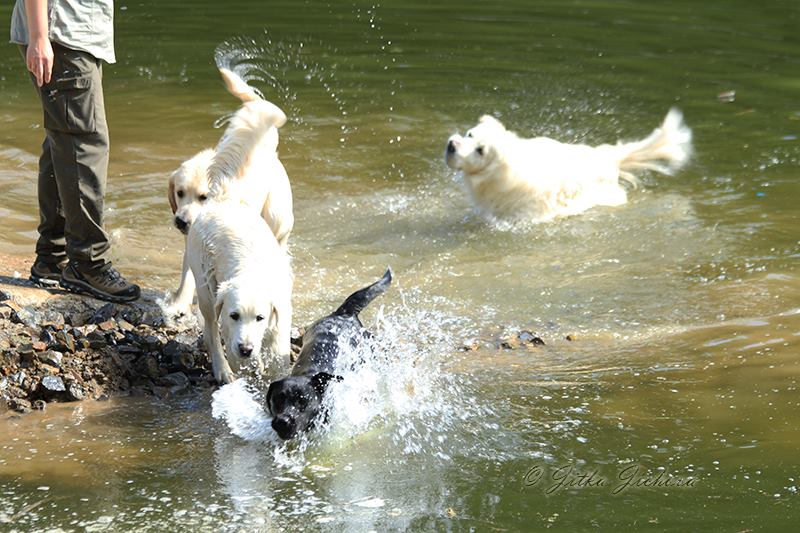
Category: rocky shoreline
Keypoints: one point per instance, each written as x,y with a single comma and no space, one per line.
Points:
56,346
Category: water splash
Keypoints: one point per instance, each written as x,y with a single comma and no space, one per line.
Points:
396,388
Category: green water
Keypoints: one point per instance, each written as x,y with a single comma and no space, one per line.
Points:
684,303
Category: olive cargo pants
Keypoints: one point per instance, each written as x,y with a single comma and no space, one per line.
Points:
74,163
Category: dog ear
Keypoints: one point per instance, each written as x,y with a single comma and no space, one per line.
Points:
490,120
171,194
270,390
320,381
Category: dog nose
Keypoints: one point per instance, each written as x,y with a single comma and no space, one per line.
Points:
245,350
451,147
181,224
283,426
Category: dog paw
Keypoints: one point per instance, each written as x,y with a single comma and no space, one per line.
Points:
224,377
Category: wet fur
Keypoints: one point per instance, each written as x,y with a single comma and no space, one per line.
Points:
243,167
240,268
295,401
538,179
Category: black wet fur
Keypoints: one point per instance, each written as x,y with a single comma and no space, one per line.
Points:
296,400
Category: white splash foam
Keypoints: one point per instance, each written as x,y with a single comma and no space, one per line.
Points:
235,404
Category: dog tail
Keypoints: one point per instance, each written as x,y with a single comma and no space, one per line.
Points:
360,299
237,86
267,112
666,150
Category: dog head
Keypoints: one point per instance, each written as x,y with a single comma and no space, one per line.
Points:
477,149
245,317
189,189
296,401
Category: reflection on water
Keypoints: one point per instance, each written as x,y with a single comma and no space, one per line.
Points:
682,304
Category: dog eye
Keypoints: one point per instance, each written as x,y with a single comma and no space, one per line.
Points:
180,194
235,316
203,197
479,149
259,318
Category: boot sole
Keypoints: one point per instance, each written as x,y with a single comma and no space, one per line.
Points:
44,282
78,287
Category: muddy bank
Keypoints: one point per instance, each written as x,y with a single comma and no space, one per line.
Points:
56,346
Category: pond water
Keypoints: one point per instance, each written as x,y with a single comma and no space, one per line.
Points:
684,304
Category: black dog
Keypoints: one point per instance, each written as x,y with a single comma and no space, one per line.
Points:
295,401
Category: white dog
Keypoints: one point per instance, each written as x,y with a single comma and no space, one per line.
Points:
539,179
244,287
243,167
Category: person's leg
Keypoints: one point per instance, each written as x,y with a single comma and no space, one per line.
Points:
50,247
77,134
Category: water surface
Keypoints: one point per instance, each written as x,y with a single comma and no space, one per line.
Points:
683,303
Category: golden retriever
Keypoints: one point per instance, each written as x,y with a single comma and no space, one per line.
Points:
243,167
244,288
538,179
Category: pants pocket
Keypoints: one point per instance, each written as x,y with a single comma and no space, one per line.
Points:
70,105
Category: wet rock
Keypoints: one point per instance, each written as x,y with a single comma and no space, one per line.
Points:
151,342
470,345
148,366
529,339
20,405
522,339
175,380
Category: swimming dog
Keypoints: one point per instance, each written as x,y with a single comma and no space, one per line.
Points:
295,402
538,179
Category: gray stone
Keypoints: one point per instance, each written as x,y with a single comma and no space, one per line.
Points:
175,379
51,357
103,314
76,392
52,385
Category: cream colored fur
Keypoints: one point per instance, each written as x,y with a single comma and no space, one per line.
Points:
244,167
538,179
244,288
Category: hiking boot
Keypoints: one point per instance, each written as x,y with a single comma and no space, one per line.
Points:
47,274
104,283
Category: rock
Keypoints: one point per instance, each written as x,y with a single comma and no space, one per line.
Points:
135,350
51,386
96,340
40,405
470,345
570,337
64,342
51,357
25,349
173,379
107,325
511,343
47,337
20,405
528,338
151,342
4,296
124,325
148,366
6,313
103,314
75,392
